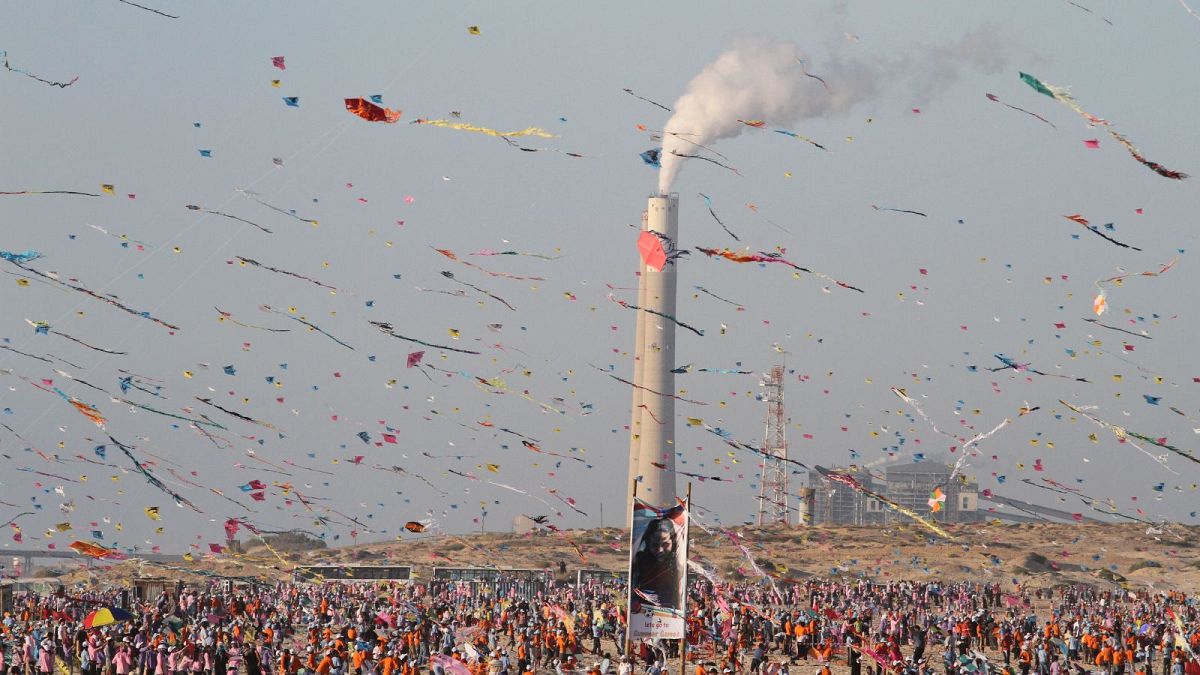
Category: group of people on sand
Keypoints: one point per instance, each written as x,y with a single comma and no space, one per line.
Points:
829,626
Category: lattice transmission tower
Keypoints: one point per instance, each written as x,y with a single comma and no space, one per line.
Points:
773,486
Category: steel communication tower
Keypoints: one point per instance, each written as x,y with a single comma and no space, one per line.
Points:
773,489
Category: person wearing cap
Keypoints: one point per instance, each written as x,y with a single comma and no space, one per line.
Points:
45,657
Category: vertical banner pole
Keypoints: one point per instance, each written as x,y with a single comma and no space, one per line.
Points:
629,580
683,643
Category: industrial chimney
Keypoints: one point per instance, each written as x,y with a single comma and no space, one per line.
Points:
652,432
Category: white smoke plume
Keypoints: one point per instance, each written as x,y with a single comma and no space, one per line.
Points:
763,79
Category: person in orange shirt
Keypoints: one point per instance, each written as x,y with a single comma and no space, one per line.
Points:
388,664
325,664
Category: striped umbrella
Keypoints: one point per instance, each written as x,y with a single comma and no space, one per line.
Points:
105,616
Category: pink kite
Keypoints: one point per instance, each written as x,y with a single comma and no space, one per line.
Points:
277,61
652,251
415,358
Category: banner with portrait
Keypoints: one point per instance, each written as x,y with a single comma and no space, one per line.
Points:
658,571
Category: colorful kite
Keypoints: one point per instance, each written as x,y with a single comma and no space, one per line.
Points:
371,112
1062,95
1077,218
762,257
387,328
463,126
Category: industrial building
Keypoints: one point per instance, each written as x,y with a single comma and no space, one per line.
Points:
909,485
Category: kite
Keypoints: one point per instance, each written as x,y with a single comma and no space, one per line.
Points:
708,202
569,501
815,77
387,328
1100,304
415,527
849,481
993,97
371,112
52,83
707,159
937,500
451,255
124,239
652,157
668,317
885,208
255,263
1075,4
226,316
193,207
463,126
636,386
48,192
208,401
975,439
1116,328
473,30
1137,154
714,295
541,256
151,478
769,258
414,359
148,9
651,249
254,196
1095,230
523,148
1062,95
1124,435
19,259
537,448
450,276
96,550
757,124
1024,367
630,92
45,329
278,62
798,137
292,101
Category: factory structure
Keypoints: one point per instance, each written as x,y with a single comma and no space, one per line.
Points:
652,422
827,502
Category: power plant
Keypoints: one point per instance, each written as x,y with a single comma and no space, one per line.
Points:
652,419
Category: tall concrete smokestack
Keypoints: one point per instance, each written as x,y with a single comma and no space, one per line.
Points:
656,352
639,346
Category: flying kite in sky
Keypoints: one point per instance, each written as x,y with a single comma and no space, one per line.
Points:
1062,95
371,112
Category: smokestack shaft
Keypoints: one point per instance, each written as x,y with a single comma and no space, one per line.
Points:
657,435
639,348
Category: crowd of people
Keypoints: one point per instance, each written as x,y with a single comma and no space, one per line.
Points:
463,628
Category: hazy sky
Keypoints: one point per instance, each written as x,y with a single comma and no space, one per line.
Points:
993,266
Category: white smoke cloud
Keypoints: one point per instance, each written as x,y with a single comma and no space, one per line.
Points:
762,78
